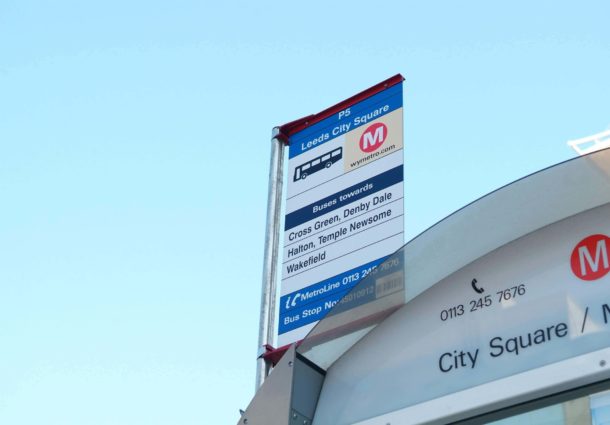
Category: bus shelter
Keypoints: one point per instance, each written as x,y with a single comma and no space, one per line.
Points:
499,312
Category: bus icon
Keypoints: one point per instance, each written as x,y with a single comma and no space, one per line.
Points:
317,164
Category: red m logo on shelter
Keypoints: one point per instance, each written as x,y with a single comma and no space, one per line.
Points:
589,258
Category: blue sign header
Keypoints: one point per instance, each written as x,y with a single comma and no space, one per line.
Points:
347,120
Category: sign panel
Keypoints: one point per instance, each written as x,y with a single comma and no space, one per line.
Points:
344,206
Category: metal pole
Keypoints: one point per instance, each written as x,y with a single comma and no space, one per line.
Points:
272,240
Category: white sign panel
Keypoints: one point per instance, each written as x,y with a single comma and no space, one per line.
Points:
344,206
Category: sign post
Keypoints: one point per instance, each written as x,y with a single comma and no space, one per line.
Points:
272,237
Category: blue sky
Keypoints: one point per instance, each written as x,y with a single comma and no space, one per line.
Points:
134,150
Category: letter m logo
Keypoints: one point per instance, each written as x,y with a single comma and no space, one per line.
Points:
589,258
373,137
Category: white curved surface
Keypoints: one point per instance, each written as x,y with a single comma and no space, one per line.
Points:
392,368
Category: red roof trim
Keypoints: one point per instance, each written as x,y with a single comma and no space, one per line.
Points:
274,355
288,129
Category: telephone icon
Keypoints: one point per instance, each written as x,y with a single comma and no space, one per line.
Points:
476,288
